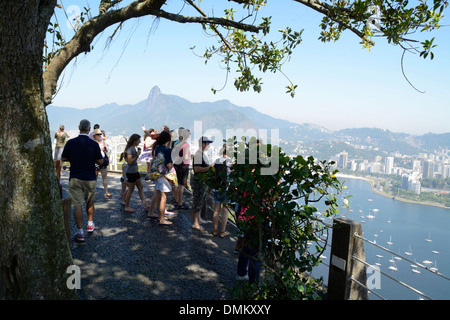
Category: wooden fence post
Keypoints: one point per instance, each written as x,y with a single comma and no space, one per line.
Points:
342,266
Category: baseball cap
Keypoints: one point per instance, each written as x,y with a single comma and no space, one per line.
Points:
204,140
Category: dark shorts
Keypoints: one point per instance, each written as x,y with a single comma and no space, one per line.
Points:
182,173
133,177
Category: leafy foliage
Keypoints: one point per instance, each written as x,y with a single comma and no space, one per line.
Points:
281,219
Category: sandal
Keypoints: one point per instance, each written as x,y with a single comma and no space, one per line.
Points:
224,234
129,210
215,233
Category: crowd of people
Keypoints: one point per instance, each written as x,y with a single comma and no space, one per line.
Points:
168,159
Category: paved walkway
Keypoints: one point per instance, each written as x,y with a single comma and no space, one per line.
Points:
129,256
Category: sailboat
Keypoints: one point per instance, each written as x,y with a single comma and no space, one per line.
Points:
378,263
390,241
409,253
393,267
429,238
435,252
415,270
434,269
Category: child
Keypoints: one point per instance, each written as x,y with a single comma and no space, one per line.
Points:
123,178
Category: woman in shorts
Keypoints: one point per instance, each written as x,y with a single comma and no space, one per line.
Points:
133,176
162,185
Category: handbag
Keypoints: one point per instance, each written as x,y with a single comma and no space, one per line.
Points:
158,169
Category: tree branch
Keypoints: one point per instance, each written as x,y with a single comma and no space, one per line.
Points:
325,9
81,41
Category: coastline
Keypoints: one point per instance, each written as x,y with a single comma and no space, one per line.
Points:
371,181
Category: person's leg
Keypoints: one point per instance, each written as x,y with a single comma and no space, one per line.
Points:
254,268
104,173
153,203
123,192
223,222
216,218
128,196
243,261
57,166
140,188
90,209
162,209
78,216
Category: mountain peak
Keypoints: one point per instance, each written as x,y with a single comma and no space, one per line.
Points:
152,96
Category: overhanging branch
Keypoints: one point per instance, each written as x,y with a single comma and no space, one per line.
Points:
82,40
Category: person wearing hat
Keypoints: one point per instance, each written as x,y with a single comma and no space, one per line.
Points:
200,164
61,136
103,169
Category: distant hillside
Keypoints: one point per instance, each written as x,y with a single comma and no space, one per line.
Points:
161,109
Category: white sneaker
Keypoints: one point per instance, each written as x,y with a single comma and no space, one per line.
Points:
91,228
80,237
242,278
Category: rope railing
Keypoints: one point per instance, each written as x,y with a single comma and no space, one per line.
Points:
392,278
396,254
389,276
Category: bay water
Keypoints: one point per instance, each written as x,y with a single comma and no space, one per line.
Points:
400,227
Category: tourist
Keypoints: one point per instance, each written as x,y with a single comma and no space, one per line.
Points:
102,137
222,166
132,171
200,165
83,154
162,158
61,136
103,169
182,150
146,156
123,179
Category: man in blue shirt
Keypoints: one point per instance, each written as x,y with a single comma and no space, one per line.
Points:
83,153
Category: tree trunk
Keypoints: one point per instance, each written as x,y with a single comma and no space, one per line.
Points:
34,253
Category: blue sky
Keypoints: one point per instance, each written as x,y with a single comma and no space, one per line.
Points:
340,85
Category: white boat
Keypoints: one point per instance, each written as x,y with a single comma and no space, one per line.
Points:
370,216
390,241
409,253
434,269
429,238
415,270
375,210
435,252
427,262
393,267
369,200
378,263
379,256
397,258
